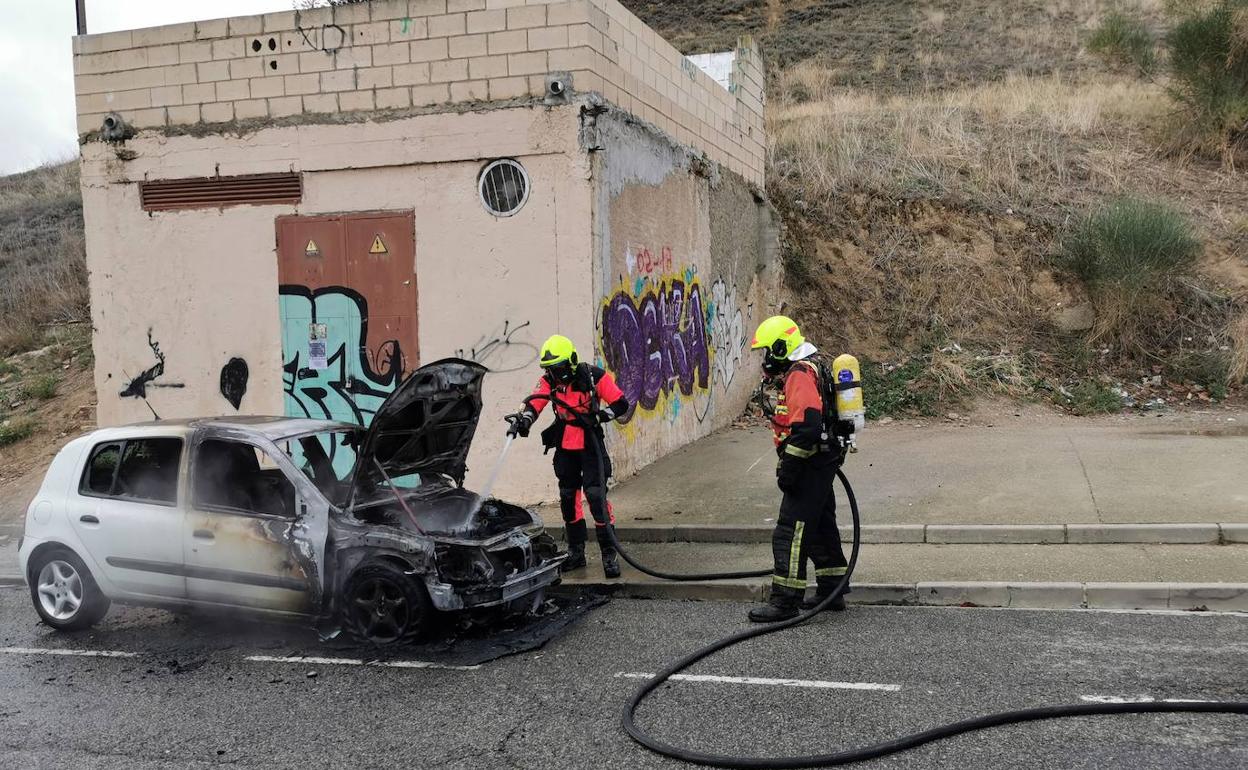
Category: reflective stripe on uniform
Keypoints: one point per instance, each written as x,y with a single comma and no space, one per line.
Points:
787,583
831,571
795,550
796,451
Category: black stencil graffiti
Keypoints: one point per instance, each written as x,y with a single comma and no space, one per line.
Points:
234,381
501,351
328,37
137,388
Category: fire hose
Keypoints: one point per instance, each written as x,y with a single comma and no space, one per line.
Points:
849,756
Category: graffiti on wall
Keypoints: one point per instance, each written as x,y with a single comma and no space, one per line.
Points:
727,331
234,376
505,349
330,372
670,339
640,260
654,338
137,386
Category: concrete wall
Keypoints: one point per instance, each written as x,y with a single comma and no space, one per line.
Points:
204,281
685,267
404,56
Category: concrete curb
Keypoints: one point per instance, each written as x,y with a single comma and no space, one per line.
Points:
1211,597
11,580
950,534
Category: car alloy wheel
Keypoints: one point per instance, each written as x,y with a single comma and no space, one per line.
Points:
381,609
60,589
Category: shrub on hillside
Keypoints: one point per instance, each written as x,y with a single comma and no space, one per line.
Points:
1209,65
1125,40
1128,253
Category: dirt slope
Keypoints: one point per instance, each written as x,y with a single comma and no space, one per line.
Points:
927,159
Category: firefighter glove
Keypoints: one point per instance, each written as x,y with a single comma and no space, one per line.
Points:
520,424
604,416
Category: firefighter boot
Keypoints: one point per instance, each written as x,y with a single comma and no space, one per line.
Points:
576,535
576,557
781,606
610,562
824,591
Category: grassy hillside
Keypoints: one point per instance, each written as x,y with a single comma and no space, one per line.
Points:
43,276
45,333
934,162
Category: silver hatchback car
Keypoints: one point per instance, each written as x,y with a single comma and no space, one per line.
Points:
367,530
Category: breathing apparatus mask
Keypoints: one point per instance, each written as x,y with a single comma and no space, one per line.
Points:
775,359
564,371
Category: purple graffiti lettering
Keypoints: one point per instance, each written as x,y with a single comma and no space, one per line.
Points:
656,344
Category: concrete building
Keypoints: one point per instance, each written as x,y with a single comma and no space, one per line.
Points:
287,213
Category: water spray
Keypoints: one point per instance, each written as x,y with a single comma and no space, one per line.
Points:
484,494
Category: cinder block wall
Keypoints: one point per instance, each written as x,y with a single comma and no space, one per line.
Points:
397,55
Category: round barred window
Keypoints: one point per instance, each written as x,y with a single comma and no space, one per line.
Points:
504,187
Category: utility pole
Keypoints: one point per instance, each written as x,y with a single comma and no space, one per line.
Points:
82,16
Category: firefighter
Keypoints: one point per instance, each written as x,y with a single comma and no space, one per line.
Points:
809,457
592,393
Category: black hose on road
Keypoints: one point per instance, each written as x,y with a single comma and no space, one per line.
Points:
874,751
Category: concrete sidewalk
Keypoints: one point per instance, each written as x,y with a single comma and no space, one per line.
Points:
1152,577
1173,468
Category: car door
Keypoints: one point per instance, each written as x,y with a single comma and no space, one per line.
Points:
126,514
240,536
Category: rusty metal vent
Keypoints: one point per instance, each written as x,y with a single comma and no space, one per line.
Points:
212,192
504,187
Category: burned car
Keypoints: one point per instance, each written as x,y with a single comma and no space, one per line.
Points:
365,529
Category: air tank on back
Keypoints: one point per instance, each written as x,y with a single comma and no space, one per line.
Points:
849,403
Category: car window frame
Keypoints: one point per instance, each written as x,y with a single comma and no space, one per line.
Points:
193,470
85,491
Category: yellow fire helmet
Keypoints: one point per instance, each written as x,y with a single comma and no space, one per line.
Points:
778,335
556,350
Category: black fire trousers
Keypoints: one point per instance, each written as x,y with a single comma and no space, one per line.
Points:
576,470
806,529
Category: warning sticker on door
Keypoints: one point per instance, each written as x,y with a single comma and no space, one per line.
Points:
379,246
317,357
312,250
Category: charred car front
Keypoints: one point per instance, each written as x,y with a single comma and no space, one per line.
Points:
367,529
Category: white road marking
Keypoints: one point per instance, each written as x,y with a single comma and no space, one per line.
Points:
1139,699
756,462
810,683
315,661
77,653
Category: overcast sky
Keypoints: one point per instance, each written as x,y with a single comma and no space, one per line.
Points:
37,123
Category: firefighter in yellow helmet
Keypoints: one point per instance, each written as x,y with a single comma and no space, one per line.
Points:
589,392
809,456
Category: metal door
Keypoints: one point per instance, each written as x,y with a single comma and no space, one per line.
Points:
348,307
239,536
133,540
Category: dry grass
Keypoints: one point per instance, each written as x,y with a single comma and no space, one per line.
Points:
1020,143
937,216
43,277
1237,333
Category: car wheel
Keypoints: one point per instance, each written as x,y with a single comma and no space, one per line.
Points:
64,592
382,604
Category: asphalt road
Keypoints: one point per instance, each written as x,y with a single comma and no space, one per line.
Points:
180,691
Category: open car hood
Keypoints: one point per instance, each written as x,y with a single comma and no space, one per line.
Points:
425,426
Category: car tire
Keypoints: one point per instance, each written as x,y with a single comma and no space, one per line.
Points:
64,592
383,605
